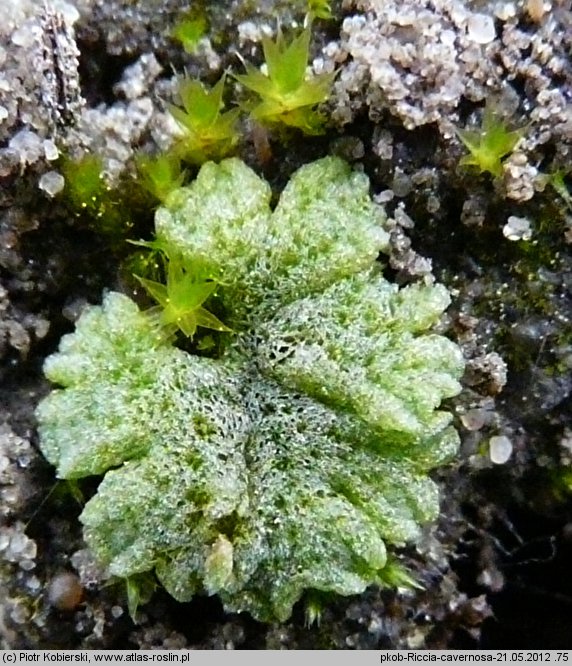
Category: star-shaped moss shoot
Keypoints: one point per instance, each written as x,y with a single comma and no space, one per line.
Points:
490,143
209,134
319,9
159,175
285,95
181,300
189,29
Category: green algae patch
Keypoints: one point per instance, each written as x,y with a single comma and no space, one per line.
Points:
298,456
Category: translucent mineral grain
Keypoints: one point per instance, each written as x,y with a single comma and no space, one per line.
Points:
52,183
500,449
517,228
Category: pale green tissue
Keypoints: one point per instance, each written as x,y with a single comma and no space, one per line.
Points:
292,461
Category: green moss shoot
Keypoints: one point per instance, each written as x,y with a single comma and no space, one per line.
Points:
490,143
208,132
284,95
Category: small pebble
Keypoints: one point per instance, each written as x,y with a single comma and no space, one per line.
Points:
117,611
67,10
500,449
536,9
517,228
481,28
51,150
65,592
474,419
52,183
505,11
